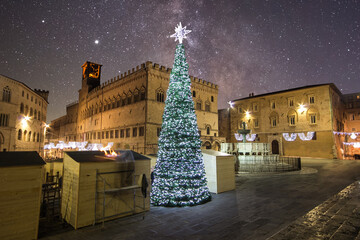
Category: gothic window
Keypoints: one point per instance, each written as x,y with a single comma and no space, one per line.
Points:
273,122
35,114
311,99
142,94
25,133
291,102
34,137
6,94
19,134
37,137
26,109
207,106
160,96
292,120
21,108
4,120
313,118
198,105
31,112
124,100
136,96
29,136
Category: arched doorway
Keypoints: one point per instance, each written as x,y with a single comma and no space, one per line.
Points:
207,145
275,147
216,146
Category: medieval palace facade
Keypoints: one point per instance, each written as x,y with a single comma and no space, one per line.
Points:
127,110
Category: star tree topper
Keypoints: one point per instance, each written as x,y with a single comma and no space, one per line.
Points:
180,33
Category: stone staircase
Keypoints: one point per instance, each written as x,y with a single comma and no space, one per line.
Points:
336,218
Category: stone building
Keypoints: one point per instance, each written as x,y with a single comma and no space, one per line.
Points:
127,110
320,109
22,116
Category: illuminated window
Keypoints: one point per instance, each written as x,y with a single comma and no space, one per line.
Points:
6,94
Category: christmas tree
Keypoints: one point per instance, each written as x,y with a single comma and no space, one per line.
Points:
179,175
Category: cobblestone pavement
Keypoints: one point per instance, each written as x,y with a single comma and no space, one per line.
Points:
261,206
336,218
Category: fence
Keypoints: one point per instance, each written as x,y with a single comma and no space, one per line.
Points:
267,163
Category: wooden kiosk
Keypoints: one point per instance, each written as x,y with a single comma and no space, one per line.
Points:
21,175
97,187
220,170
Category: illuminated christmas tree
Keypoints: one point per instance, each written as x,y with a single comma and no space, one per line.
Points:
179,175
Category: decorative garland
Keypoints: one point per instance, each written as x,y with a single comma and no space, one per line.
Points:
290,138
249,137
354,144
308,136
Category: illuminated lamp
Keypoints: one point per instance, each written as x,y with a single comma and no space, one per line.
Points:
302,108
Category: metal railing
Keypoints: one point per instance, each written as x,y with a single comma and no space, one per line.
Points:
267,163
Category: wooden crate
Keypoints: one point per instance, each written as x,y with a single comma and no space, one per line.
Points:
220,171
20,193
83,187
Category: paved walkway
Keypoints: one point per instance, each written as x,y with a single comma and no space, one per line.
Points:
336,218
261,206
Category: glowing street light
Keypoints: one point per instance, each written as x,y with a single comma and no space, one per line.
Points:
231,104
302,108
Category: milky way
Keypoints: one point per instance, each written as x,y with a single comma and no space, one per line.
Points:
243,46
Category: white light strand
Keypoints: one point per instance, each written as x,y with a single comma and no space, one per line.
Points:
290,138
249,137
308,136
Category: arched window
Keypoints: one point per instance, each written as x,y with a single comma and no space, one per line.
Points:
207,130
6,94
21,108
160,96
31,112
29,136
35,114
207,106
136,96
25,132
22,94
26,109
37,137
142,94
39,115
198,105
19,134
34,137
123,100
129,97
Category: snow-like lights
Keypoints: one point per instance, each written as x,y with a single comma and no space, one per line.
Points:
290,138
180,33
96,41
353,136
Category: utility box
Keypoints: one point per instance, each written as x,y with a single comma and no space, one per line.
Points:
99,187
220,170
21,176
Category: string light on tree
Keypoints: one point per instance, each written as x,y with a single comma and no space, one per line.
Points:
179,174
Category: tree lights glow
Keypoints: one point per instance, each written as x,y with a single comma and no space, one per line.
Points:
179,175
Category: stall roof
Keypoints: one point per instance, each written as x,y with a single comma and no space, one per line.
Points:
99,156
214,153
10,159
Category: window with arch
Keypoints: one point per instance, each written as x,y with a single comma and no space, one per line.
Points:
123,100
207,106
113,104
142,94
129,97
35,114
26,109
29,137
39,115
23,93
31,112
136,96
208,130
19,134
6,94
198,105
160,96
25,135
21,108
34,137
37,137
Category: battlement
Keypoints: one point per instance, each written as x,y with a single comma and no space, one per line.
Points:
43,93
149,65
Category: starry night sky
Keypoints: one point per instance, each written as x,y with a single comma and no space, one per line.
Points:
242,45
